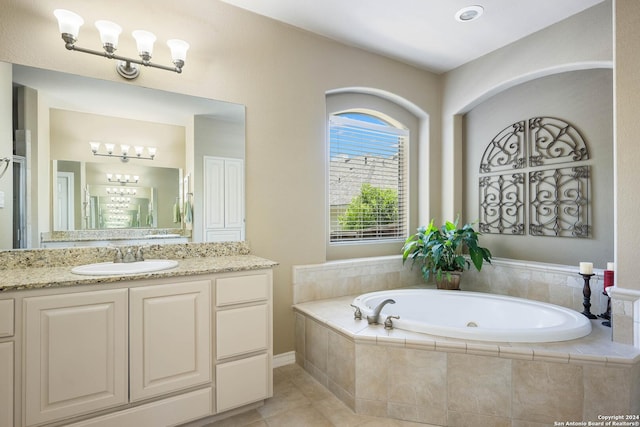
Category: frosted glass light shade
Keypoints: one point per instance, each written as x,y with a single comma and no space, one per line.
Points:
178,49
109,148
152,151
109,32
144,41
124,149
95,146
139,149
68,22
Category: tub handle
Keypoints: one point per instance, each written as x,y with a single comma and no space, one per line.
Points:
388,323
357,314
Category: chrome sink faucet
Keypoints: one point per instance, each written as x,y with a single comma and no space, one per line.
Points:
129,256
117,258
375,317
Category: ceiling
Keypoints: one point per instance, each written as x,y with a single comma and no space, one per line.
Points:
423,33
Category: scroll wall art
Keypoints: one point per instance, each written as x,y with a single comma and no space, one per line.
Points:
533,176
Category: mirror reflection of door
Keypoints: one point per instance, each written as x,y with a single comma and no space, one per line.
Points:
19,202
64,213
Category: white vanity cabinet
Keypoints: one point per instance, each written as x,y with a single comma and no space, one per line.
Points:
148,353
243,339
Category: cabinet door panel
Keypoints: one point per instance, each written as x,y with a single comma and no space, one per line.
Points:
6,384
213,193
234,193
241,330
170,337
75,353
241,382
6,317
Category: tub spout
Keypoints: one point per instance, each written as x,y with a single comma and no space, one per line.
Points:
375,317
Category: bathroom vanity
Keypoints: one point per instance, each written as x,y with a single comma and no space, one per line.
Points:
151,349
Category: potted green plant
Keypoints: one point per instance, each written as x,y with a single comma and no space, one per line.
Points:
440,252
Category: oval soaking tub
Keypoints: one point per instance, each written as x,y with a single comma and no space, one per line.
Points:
476,316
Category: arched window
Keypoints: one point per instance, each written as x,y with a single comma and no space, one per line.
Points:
368,179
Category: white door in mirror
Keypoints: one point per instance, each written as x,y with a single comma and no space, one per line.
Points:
123,268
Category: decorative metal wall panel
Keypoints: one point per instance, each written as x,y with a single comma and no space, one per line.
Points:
559,198
553,141
506,151
502,204
559,202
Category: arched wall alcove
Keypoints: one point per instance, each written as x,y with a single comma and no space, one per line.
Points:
582,95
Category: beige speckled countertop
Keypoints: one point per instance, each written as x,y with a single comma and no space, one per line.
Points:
46,268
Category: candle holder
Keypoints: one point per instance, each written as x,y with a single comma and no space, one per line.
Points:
586,293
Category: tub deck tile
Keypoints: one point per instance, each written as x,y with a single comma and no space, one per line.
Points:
510,352
550,356
482,349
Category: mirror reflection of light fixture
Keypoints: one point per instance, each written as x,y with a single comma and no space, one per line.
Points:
124,151
122,191
123,179
69,24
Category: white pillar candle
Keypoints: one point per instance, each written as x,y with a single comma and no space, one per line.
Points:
586,268
610,266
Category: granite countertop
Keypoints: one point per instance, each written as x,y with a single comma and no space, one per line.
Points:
48,268
48,277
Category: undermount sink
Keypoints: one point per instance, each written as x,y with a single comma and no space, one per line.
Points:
120,268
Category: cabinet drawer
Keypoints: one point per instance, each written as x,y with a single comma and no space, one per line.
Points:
172,411
240,289
241,330
6,318
241,382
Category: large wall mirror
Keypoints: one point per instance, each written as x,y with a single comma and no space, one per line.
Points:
62,183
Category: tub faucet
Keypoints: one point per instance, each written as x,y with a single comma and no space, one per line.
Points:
375,317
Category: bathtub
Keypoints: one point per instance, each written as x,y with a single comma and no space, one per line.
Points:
476,316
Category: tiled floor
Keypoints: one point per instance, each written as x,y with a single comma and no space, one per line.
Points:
300,401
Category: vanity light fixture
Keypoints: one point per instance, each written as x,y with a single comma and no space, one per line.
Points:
69,24
123,179
124,151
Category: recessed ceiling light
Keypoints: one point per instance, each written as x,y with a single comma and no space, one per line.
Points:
469,13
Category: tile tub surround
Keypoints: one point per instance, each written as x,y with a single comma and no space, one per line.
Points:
355,276
423,378
41,268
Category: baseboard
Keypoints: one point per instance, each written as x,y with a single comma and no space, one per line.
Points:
284,359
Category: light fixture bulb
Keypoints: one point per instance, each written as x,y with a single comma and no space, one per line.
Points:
144,42
124,148
95,146
109,148
109,178
136,178
178,51
109,33
68,23
138,149
152,151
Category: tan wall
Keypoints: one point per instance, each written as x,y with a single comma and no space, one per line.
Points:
626,149
279,73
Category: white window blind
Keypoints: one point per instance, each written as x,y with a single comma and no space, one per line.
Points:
367,180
